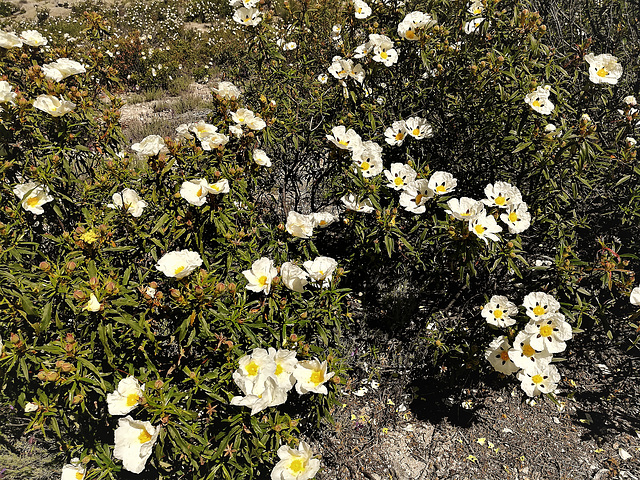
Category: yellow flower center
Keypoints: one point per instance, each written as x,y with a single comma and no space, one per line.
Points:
479,229
477,11
279,369
602,72
500,200
199,192
89,237
365,165
252,369
498,313
399,136
504,355
359,10
79,475
419,199
416,131
296,466
398,181
322,222
178,270
441,189
262,280
344,142
546,330
528,350
144,437
513,217
383,55
240,119
132,399
317,377
32,201
410,34
53,109
537,379
536,103
539,310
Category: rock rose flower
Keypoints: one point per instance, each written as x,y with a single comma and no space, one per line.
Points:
539,101
539,304
413,21
539,379
53,105
472,25
271,396
149,146
501,195
129,201
517,218
261,275
134,442
525,356
634,298
74,470
293,277
396,133
352,202
362,10
31,407
7,95
253,371
249,17
261,158
498,356
195,191
299,225
345,139
465,208
549,333
93,305
323,219
321,270
603,68
368,159
442,183
179,263
33,38
485,227
311,375
32,196
499,310
228,91
295,464
62,68
399,176
9,40
415,196
418,128
126,397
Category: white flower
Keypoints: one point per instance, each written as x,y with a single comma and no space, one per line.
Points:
293,277
33,38
290,46
9,40
253,371
322,78
517,218
195,191
7,95
549,333
368,159
126,397
345,139
585,118
396,133
634,298
179,263
256,123
362,10
202,129
311,376
418,128
321,270
630,100
352,202
362,51
236,130
603,68
73,471
32,196
228,90
399,176
221,186
498,355
62,68
93,305
550,128
525,356
340,67
539,305
385,54
442,183
214,140
129,201
295,464
415,196
53,105
465,208
631,141
286,362
472,25
501,195
299,225
30,407
499,310
134,442
261,158
261,275
323,219
475,7
539,379
270,396
149,146
539,101
485,226
413,21
247,16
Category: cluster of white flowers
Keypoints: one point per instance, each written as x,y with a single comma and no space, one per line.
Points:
266,377
228,91
534,346
301,226
415,127
206,133
475,8
245,117
62,68
32,38
319,271
197,191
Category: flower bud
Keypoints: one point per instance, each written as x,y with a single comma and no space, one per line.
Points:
174,293
79,295
70,266
66,367
110,287
45,266
42,376
232,288
14,338
93,282
293,337
52,376
158,384
336,380
77,399
198,291
220,288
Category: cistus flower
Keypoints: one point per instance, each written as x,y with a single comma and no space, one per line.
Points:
499,310
9,40
352,202
33,38
261,158
517,218
485,227
321,270
368,159
149,146
498,356
383,51
525,356
345,139
501,195
539,379
129,201
299,225
253,371
323,219
540,304
603,68
415,196
464,208
362,10
93,305
412,22
74,470
418,128
396,133
539,101
134,442
126,397
293,277
53,105
311,375
7,95
634,298
62,68
472,25
399,176
322,78
271,396
549,333
475,7
286,362
179,264
32,196
261,275
195,191
30,407
228,91
249,17
442,183
295,464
